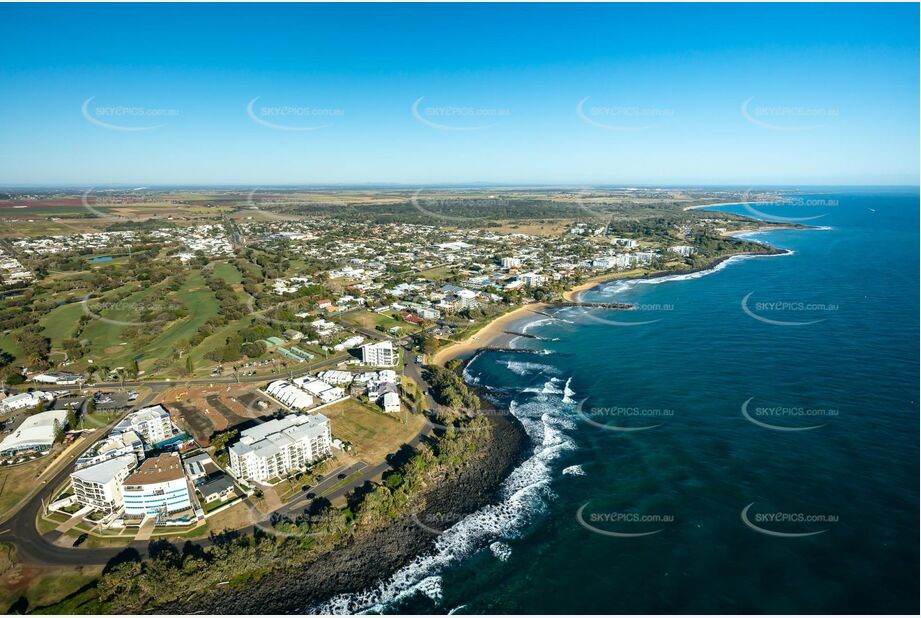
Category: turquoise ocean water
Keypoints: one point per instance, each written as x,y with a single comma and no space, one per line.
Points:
745,441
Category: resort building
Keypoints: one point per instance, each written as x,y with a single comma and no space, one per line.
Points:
36,433
157,488
380,354
152,424
100,486
271,449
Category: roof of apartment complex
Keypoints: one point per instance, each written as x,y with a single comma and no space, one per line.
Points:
104,472
153,413
37,429
166,467
268,438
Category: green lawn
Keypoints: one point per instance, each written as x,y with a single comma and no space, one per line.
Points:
228,272
369,319
60,323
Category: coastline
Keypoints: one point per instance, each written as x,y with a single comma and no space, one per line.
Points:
369,560
490,333
494,332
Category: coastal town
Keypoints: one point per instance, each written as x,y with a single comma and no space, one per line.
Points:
178,378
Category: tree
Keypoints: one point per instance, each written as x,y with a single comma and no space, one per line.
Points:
71,417
189,365
58,432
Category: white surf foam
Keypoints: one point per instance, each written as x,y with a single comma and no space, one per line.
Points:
574,471
523,495
500,550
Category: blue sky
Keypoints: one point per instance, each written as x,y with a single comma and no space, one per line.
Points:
537,94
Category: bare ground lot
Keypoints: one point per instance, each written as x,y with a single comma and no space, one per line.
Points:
202,412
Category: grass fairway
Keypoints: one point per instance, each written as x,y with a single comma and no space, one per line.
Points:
202,305
373,434
60,323
227,272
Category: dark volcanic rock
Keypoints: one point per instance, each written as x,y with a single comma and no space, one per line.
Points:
372,558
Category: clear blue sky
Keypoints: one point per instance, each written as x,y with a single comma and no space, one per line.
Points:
739,94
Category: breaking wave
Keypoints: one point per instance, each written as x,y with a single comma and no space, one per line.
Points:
523,496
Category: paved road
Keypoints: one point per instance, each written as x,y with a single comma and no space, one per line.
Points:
37,549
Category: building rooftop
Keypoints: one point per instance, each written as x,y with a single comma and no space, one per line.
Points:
36,429
105,471
166,467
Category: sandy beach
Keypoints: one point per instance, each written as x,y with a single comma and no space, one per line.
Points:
491,333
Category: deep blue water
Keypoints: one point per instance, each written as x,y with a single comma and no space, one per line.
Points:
838,352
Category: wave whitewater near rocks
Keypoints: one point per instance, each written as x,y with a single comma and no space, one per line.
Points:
523,497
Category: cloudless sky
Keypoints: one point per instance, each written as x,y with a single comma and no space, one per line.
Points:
515,93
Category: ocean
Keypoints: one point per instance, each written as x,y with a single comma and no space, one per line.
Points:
745,440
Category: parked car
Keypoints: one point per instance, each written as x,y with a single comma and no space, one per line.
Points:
81,539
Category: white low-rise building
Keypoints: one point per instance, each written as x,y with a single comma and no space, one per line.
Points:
100,486
272,449
320,389
290,395
36,433
25,401
336,377
391,402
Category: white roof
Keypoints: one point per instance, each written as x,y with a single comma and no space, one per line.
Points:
37,430
104,472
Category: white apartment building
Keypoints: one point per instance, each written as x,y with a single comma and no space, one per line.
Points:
682,250
511,262
272,449
158,487
152,424
381,354
100,486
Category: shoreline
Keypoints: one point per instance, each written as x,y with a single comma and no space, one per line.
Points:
490,333
494,331
348,569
